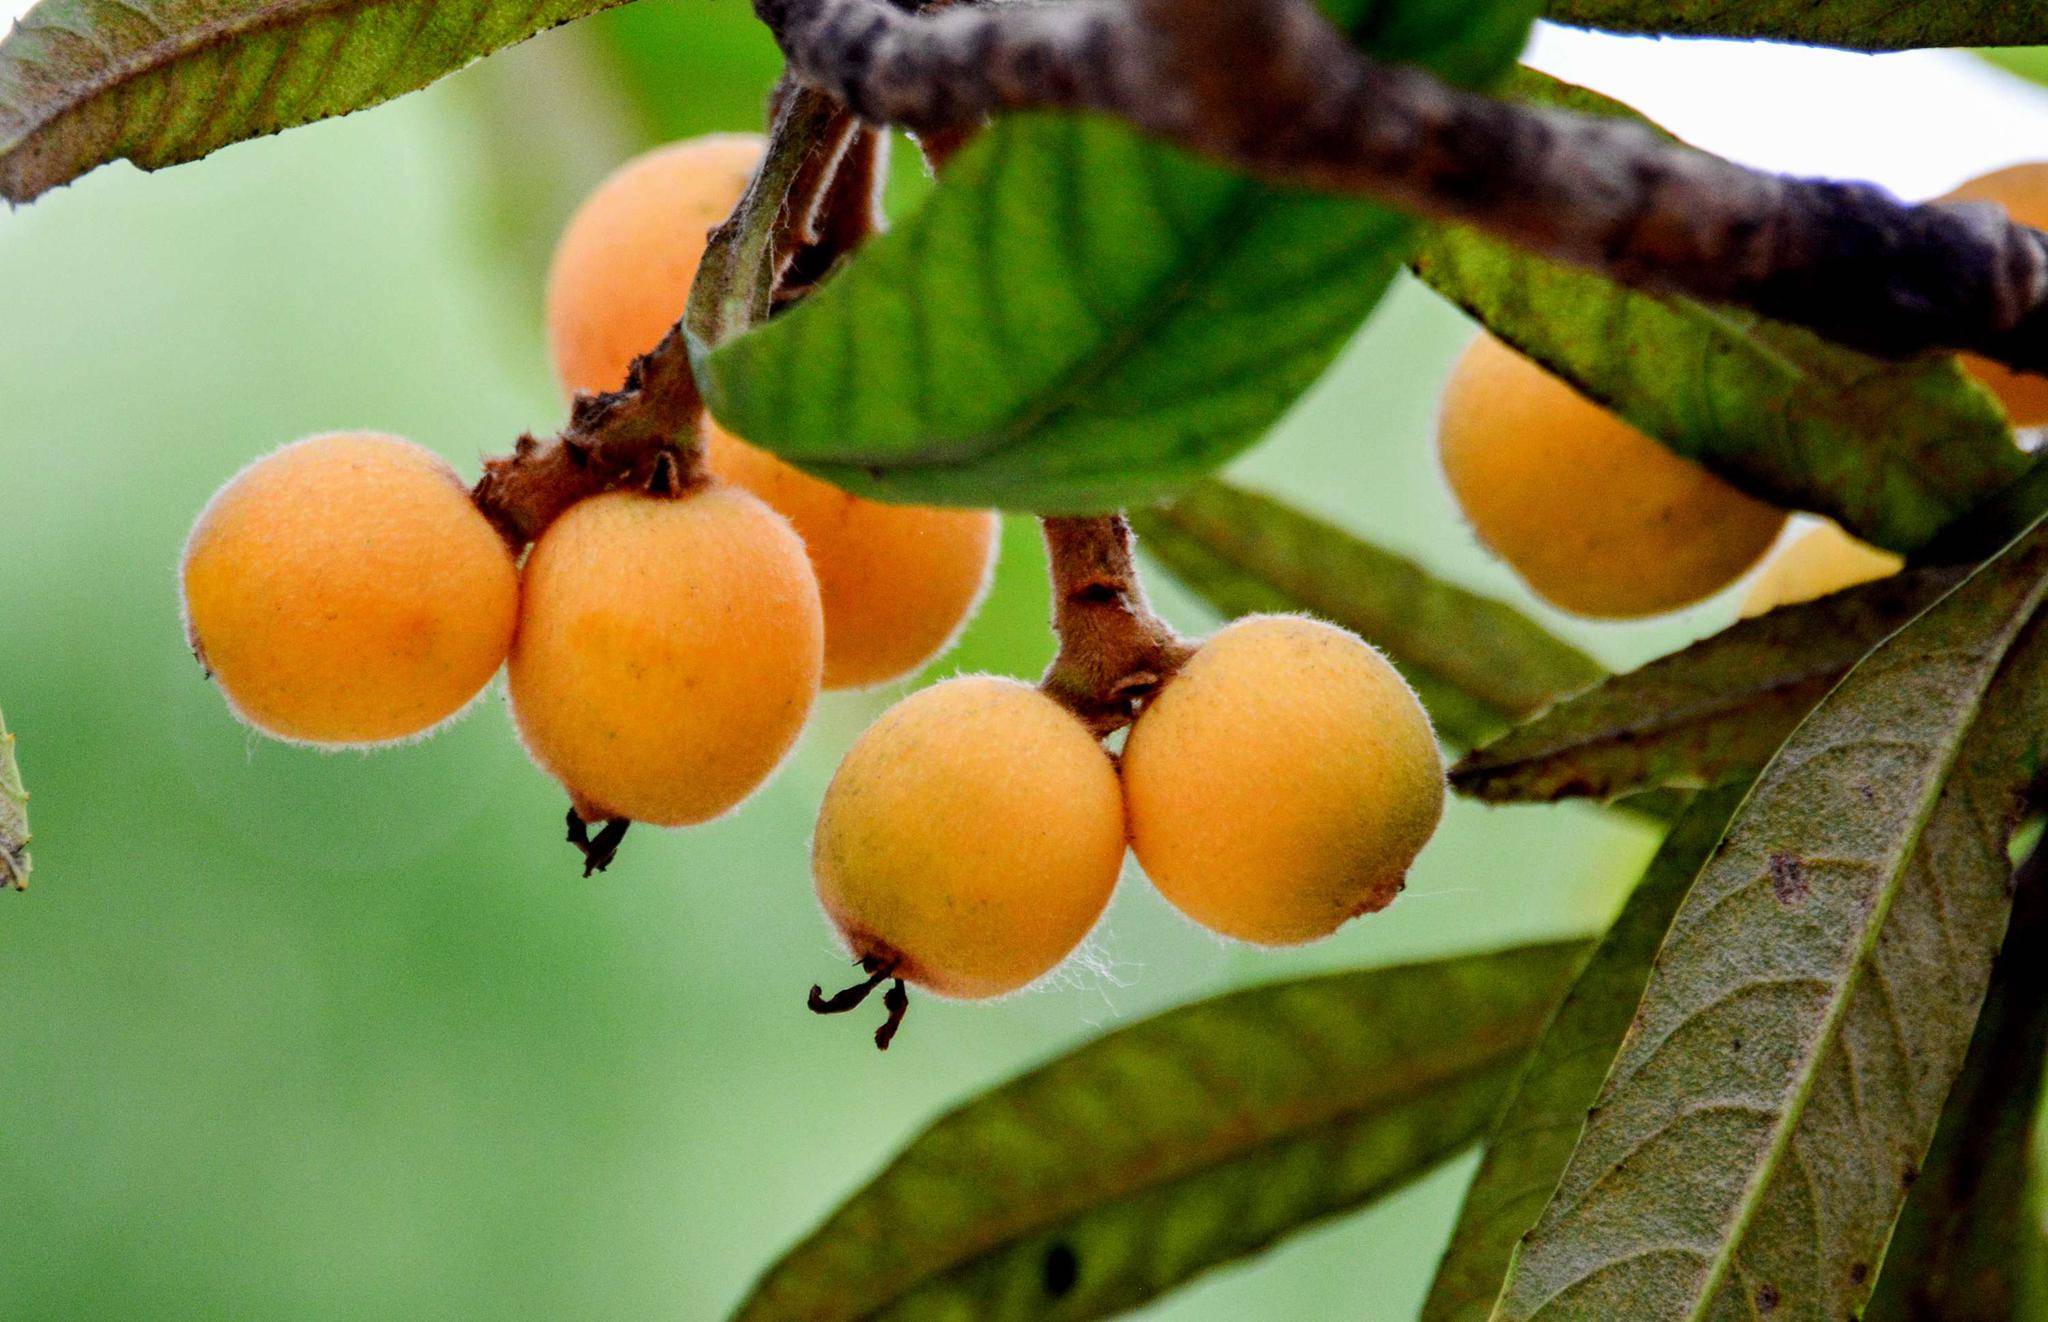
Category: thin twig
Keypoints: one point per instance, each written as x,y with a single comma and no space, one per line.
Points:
1114,652
1272,87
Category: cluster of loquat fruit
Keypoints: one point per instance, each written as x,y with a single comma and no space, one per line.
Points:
663,647
1600,520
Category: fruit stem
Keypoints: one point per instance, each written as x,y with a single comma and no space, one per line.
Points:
647,433
1114,652
14,836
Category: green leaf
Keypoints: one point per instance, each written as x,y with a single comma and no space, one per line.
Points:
1891,451
1968,1247
1705,715
1815,996
1479,664
1080,317
1116,1172
157,82
1529,1144
1872,25
14,837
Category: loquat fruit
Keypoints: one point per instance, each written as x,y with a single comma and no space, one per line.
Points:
344,591
1595,517
897,581
668,652
1282,782
1819,561
970,839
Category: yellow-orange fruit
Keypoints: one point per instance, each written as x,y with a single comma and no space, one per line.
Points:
1282,782
1823,560
622,269
344,590
898,581
2023,191
668,652
1596,517
971,838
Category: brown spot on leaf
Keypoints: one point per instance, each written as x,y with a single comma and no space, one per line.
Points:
1766,1297
1788,880
1859,1273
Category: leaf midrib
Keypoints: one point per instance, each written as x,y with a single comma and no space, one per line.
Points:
1823,1041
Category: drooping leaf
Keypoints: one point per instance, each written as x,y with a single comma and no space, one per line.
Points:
1969,1247
1776,1095
1115,1172
1529,1143
1871,25
157,82
14,860
1080,317
1891,451
1704,715
1478,664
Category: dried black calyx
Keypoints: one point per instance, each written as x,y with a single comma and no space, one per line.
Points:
598,851
896,1000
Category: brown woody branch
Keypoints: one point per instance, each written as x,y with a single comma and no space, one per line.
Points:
1272,87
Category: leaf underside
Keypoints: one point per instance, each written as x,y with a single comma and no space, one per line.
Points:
159,82
1968,1247
1777,1092
1871,25
1891,451
1079,317
1478,664
1704,715
1529,1143
1115,1172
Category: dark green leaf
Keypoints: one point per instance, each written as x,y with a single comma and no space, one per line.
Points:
1856,24
157,82
1705,715
1968,1247
1080,317
1114,1173
1531,1141
1815,996
1891,451
1479,664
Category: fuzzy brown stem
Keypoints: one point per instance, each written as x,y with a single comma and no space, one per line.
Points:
646,433
1114,652
1274,88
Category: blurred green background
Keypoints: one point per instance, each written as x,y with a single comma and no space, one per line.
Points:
290,1035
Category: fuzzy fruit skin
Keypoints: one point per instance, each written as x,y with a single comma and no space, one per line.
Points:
1282,782
622,269
898,581
1597,518
2023,191
344,591
973,834
1822,560
668,652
